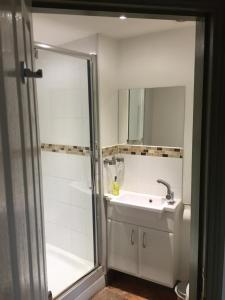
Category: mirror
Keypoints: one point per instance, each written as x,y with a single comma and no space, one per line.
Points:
152,116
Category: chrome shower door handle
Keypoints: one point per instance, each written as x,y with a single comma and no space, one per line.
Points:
132,237
144,240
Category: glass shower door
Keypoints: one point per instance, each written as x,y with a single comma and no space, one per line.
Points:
65,101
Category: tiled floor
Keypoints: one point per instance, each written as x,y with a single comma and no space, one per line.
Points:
125,287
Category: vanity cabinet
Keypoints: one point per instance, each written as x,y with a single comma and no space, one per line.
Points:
143,252
156,256
123,246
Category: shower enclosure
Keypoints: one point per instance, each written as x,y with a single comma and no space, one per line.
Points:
68,121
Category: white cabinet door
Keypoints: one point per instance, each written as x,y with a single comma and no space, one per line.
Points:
156,256
123,247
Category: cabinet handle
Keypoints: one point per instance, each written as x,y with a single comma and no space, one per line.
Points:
132,237
144,240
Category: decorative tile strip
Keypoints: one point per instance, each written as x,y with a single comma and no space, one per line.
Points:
109,151
117,149
143,150
151,151
75,150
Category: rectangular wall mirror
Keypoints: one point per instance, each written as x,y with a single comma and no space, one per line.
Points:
152,116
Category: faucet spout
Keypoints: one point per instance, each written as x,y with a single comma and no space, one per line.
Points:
170,194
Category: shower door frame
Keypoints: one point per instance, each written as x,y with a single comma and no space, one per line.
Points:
96,167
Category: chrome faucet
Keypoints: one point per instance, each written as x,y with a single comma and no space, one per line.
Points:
170,194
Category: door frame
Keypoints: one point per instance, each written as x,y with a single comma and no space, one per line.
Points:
95,154
208,162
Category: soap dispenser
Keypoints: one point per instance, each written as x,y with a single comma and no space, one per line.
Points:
115,187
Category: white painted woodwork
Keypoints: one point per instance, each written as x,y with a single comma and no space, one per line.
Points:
123,245
156,256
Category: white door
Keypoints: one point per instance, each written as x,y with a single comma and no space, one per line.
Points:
22,270
156,256
123,247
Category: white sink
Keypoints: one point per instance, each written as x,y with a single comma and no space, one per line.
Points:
143,201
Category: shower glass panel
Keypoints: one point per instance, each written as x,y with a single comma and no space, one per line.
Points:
65,117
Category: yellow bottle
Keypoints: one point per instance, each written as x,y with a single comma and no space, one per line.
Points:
115,187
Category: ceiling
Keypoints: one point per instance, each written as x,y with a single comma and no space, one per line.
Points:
58,29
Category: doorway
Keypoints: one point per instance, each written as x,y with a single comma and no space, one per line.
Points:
19,237
141,59
108,118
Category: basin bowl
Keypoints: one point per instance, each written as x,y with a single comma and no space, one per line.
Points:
143,201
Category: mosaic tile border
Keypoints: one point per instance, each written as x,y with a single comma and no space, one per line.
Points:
75,150
151,151
111,150
143,150
116,149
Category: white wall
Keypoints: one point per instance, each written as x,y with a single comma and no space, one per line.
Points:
87,45
159,60
140,174
108,64
107,50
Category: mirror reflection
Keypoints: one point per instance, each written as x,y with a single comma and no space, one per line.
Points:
152,116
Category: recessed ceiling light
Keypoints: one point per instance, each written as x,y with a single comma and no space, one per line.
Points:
122,17
93,53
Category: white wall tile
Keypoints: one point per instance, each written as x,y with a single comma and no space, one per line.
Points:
61,131
68,215
58,236
77,219
63,99
80,195
67,103
142,172
67,166
57,188
68,201
82,245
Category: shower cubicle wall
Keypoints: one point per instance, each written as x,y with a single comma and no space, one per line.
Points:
67,171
